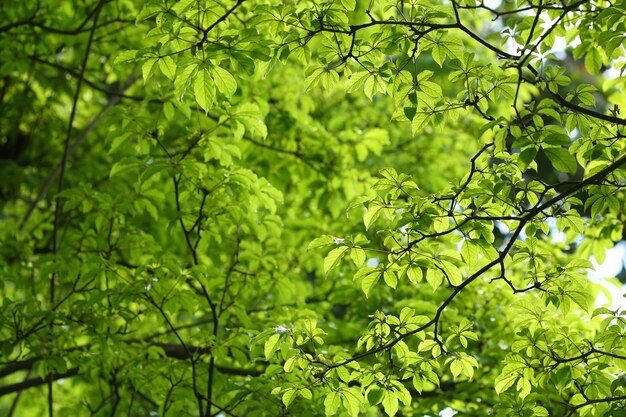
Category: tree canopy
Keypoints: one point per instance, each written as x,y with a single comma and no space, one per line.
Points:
310,208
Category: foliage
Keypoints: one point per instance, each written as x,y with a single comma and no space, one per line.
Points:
307,208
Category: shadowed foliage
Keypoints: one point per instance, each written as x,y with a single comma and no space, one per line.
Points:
310,208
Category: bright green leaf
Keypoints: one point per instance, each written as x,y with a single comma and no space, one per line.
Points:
390,403
333,258
204,89
167,67
224,81
561,159
271,345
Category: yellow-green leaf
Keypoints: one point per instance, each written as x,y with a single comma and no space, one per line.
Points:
333,258
593,61
434,277
224,81
371,215
183,77
369,281
320,241
305,393
332,403
452,272
358,256
352,400
390,403
204,89
271,345
167,67
390,278
414,273
146,68
125,56
288,396
504,382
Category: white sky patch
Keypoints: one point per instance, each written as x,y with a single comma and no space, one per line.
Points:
559,46
614,261
447,412
372,262
611,266
556,234
493,4
601,274
612,73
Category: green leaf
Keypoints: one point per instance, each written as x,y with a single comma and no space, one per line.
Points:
289,364
375,395
352,399
406,313
370,216
593,167
305,393
149,10
357,81
288,396
469,251
414,274
593,61
343,373
390,403
250,116
167,67
320,242
183,79
204,89
369,281
224,81
504,382
358,256
324,75
125,56
147,67
374,85
446,46
419,122
122,166
349,5
390,278
402,393
182,6
526,157
271,345
118,141
456,368
452,272
332,403
434,277
390,174
557,139
418,383
333,258
430,88
561,160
